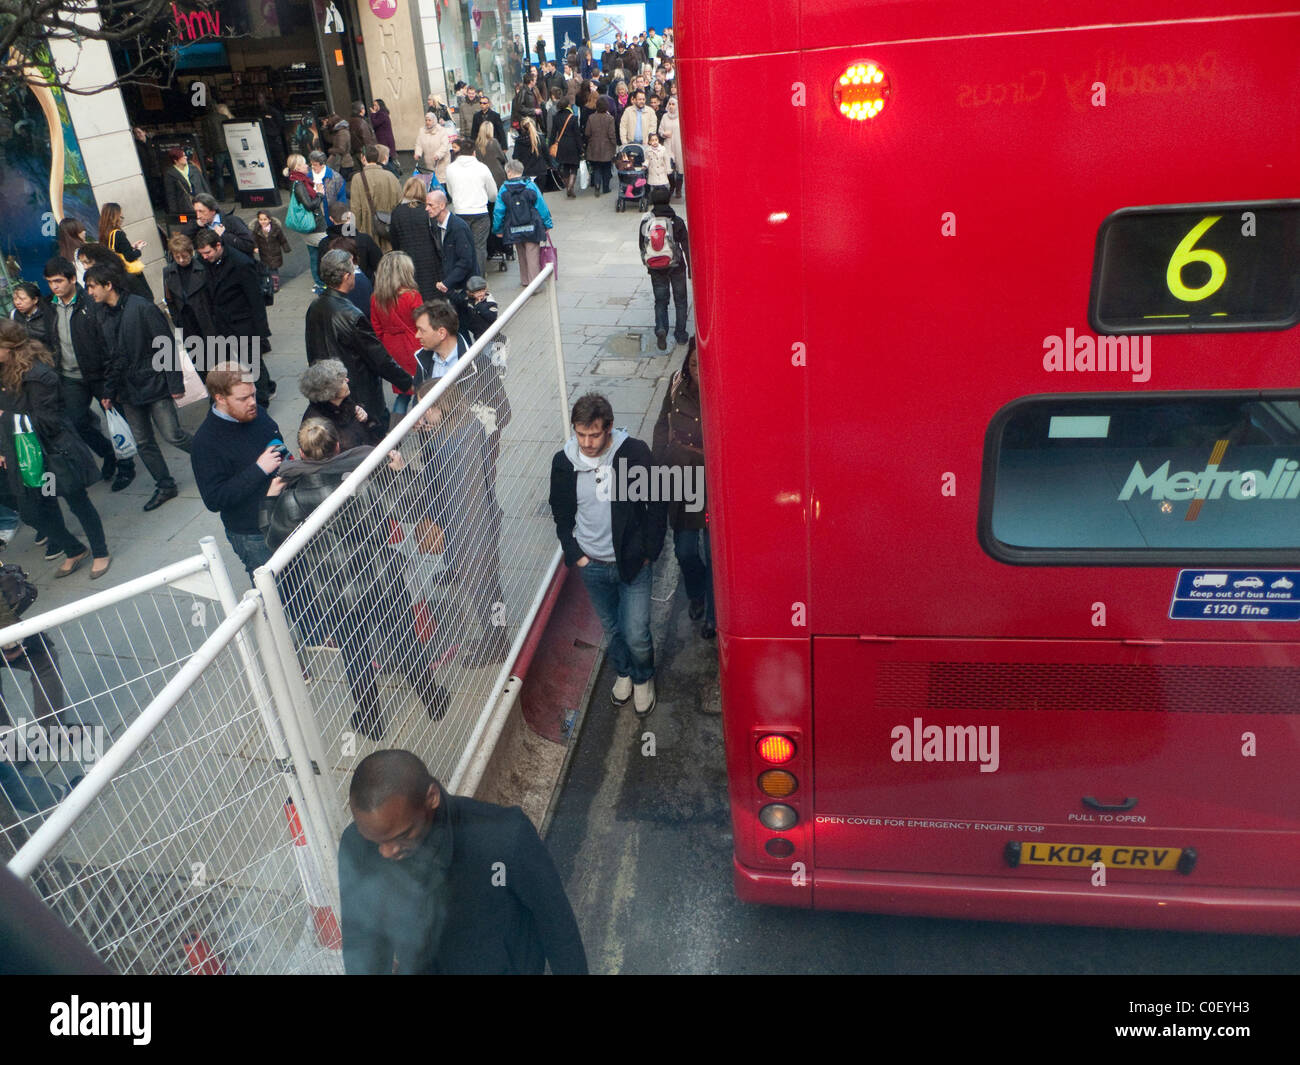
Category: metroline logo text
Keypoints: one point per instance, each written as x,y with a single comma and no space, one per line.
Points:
1280,482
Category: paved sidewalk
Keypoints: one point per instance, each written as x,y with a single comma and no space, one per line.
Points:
607,319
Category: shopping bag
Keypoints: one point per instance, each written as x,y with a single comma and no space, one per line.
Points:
584,176
120,433
27,445
195,389
548,254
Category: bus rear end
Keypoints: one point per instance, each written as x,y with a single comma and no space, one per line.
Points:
997,340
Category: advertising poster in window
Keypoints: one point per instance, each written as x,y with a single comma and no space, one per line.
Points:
254,176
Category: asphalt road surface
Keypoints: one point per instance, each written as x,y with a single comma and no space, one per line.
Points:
643,842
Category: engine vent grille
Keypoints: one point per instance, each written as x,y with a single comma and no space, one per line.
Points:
994,686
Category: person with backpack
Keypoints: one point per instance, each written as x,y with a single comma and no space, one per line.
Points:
666,256
522,219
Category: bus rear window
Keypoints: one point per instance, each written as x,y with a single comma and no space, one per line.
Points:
1143,480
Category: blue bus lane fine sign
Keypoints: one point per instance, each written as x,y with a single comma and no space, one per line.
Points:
1237,595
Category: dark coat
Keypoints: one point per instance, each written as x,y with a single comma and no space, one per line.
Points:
87,341
188,300
495,160
343,416
481,383
639,527
458,256
337,330
409,232
602,138
567,133
340,153
498,127
237,235
383,126
368,253
516,927
39,324
360,135
234,287
71,462
179,194
526,104
679,441
271,248
118,243
535,165
130,330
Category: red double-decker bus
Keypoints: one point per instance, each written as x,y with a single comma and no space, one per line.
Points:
996,308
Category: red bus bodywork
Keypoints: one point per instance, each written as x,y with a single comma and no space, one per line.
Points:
869,295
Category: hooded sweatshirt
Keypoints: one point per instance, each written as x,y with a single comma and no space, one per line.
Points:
635,525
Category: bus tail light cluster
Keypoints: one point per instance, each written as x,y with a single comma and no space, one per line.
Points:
774,750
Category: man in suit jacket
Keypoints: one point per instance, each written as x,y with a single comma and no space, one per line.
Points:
454,241
444,884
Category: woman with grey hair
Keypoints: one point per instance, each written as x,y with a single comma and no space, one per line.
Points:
325,384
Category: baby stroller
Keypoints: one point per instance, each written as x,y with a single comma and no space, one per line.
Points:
499,251
633,186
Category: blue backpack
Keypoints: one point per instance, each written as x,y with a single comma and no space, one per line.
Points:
523,224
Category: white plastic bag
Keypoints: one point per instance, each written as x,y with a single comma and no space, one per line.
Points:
584,176
120,433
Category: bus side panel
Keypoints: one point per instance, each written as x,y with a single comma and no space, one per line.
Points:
749,343
766,687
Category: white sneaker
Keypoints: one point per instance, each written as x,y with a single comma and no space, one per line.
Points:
622,690
645,697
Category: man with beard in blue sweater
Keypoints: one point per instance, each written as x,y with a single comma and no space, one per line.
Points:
234,459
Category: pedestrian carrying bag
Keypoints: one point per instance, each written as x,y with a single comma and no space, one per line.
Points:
298,218
27,445
555,148
523,222
380,219
135,266
660,250
547,254
120,433
17,593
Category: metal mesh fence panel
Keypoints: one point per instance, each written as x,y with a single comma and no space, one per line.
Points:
182,861
406,603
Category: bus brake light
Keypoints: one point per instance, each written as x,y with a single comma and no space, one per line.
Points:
861,91
776,749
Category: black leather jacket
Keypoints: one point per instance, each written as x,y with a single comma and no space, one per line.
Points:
337,330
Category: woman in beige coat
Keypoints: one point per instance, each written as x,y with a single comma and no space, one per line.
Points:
433,148
670,136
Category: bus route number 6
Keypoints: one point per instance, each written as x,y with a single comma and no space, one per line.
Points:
1187,252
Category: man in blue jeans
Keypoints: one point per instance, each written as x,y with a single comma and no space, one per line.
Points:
665,251
613,535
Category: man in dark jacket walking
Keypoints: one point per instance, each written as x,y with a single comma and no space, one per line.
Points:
337,330
612,528
454,240
234,290
143,378
79,359
446,884
234,460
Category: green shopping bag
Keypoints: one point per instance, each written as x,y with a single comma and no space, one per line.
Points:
31,459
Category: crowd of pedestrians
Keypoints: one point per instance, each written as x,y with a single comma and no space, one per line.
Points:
399,266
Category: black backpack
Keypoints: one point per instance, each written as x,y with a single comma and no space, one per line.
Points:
17,593
523,224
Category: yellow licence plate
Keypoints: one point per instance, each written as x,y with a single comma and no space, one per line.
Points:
1164,859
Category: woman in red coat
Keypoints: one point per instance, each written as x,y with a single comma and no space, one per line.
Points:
392,313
